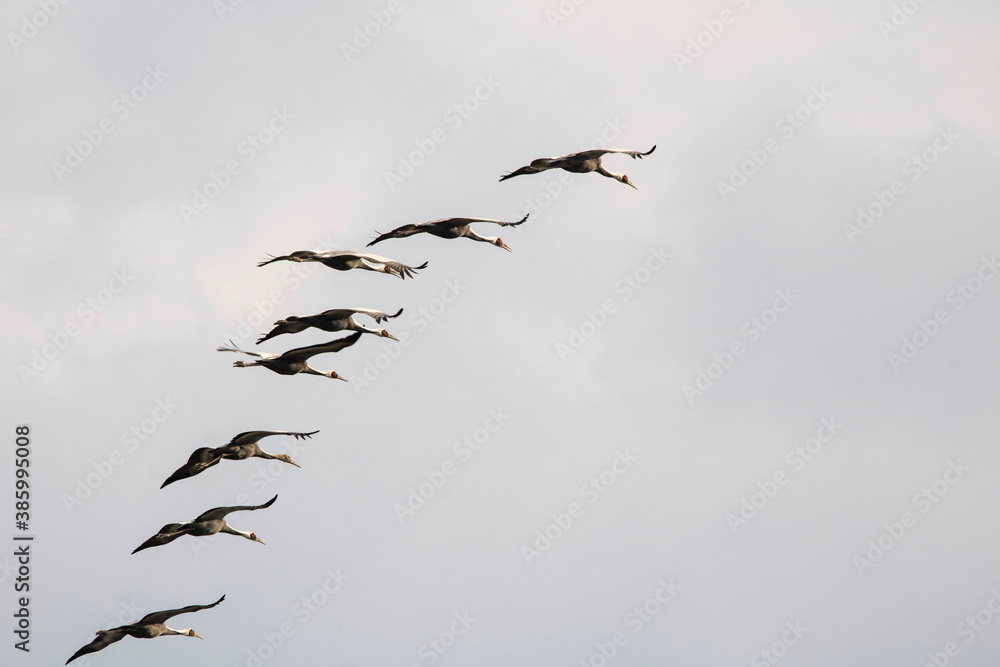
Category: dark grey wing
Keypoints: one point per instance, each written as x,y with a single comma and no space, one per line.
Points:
250,437
400,232
376,315
201,459
304,353
165,535
599,152
221,512
164,616
104,639
541,164
502,223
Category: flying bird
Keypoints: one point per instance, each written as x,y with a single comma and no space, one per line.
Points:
294,361
579,163
345,260
333,321
241,447
149,626
208,523
450,228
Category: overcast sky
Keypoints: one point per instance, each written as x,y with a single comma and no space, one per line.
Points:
749,406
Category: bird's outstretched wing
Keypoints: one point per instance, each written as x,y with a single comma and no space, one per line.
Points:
502,223
165,535
598,152
164,616
397,268
104,639
376,315
250,437
221,512
288,325
301,255
304,353
536,166
200,459
400,232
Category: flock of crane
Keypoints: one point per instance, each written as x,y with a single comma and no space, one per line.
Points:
294,361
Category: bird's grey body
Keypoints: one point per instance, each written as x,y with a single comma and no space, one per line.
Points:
334,320
345,260
294,361
240,448
579,163
208,523
449,228
149,626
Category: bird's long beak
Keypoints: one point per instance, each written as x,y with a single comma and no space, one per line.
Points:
198,636
294,463
505,247
389,335
630,183
342,378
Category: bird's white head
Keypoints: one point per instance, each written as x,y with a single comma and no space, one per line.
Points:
191,633
385,334
253,537
287,459
624,179
500,244
333,375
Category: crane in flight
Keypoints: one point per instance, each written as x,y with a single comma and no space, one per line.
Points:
208,523
450,228
333,321
149,626
345,260
294,361
579,163
241,447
